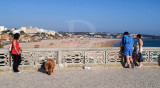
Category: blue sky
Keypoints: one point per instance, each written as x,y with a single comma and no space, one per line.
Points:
134,16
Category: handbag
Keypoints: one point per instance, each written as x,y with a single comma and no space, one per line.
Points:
140,57
122,50
10,47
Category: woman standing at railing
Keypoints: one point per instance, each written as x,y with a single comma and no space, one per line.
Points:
16,53
139,49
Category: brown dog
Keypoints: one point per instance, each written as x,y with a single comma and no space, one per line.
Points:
49,66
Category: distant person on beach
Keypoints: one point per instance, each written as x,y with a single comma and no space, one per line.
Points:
15,51
127,42
139,49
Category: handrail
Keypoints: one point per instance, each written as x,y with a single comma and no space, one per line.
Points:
80,55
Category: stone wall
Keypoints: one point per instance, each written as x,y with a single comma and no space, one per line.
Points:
68,56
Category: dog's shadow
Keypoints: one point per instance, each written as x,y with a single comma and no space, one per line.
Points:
42,69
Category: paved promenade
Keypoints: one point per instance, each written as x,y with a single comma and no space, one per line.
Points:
94,78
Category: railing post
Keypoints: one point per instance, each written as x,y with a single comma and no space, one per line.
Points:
105,58
60,58
10,60
149,57
150,61
84,57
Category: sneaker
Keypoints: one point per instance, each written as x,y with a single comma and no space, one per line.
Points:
126,67
140,66
18,72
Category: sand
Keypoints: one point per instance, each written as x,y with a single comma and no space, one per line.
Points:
70,42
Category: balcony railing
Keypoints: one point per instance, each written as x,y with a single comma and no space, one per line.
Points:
103,55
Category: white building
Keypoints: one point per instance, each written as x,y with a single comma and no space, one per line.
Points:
29,30
2,28
49,32
23,29
41,30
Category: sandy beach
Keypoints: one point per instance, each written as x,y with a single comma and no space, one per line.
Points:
71,42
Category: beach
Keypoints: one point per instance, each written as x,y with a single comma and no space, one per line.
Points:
70,42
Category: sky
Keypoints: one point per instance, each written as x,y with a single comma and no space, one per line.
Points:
114,16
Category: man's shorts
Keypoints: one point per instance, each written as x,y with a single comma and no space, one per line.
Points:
128,52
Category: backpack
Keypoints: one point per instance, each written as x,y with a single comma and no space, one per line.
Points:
140,57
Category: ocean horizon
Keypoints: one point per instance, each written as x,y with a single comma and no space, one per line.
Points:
146,43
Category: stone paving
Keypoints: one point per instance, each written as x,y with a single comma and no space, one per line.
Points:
78,78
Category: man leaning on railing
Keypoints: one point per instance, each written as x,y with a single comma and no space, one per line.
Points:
127,49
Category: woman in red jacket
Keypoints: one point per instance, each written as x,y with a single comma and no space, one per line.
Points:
16,53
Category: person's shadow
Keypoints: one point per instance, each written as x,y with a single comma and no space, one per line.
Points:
123,61
42,69
135,62
159,60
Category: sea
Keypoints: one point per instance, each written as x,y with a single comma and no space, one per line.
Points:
146,43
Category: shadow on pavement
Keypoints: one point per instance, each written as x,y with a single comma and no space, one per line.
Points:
42,69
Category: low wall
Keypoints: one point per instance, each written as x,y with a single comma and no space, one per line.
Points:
74,56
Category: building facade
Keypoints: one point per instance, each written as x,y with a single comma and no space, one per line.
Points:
29,30
2,28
